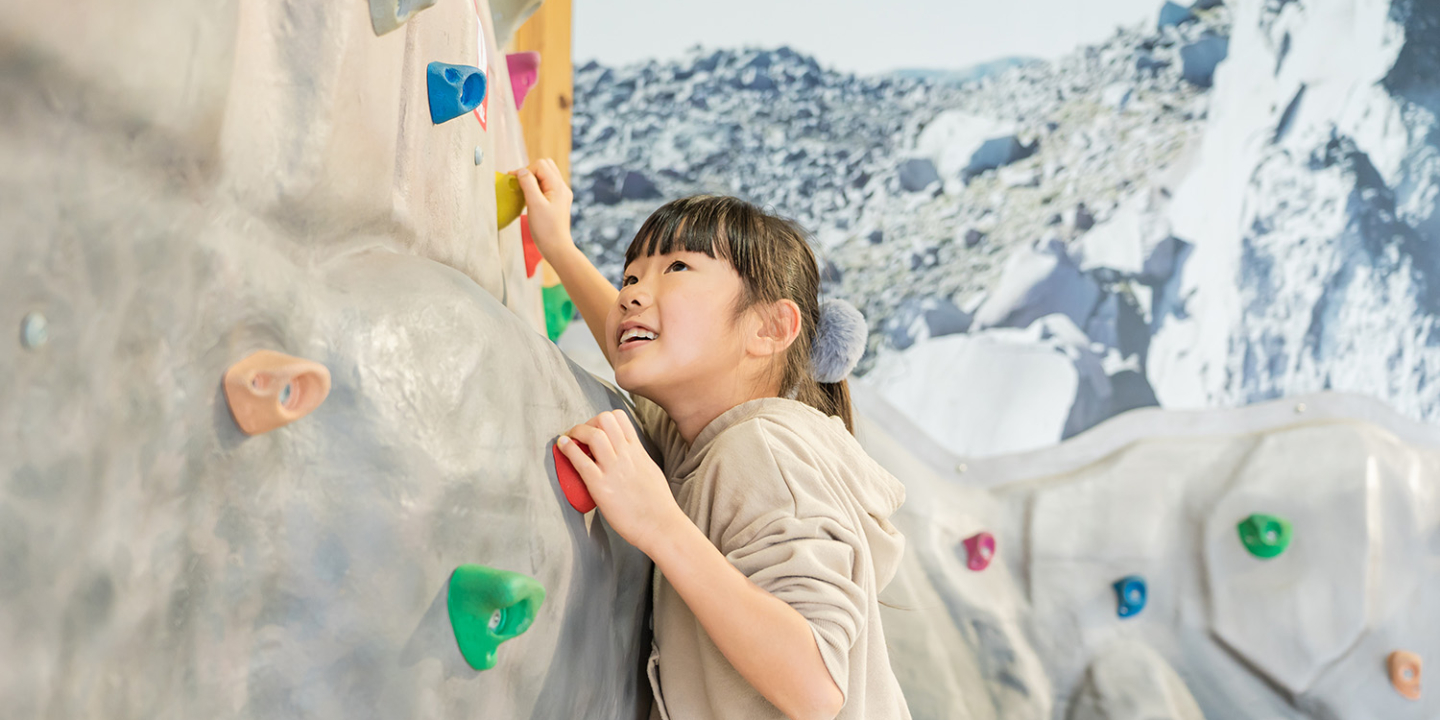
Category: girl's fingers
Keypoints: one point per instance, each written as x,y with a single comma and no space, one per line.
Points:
549,176
611,426
529,186
577,457
595,439
626,427
551,181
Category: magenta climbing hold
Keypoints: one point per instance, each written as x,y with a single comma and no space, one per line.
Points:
453,90
979,549
524,70
1130,593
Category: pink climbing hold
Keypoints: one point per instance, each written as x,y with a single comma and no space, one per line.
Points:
524,73
980,548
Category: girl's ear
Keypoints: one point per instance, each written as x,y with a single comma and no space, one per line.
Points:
778,327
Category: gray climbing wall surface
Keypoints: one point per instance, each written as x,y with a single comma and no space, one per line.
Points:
186,183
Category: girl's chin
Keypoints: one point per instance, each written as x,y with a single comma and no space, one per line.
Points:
632,382
627,379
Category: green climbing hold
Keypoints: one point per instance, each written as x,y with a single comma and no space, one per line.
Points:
559,310
488,607
1265,536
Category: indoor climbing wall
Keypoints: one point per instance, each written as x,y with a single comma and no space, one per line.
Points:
275,439
275,436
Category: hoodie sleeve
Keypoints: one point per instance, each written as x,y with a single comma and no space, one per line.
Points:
779,521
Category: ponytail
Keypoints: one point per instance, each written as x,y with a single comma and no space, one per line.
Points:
835,400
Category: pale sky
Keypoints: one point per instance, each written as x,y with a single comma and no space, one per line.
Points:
851,35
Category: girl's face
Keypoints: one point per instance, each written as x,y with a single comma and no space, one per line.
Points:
684,300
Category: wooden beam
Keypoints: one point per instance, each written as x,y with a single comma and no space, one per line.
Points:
545,118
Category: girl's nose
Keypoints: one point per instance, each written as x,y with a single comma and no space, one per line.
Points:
633,296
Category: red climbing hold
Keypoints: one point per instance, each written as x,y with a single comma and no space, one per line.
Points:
527,243
570,482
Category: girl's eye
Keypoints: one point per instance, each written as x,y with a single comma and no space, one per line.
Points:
678,262
627,280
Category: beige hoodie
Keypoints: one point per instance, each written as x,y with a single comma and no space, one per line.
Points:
790,498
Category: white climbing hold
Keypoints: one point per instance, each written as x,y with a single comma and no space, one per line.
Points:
387,15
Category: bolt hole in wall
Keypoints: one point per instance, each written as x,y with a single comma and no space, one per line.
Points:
287,395
34,331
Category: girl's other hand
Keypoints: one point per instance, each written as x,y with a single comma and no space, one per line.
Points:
628,487
548,199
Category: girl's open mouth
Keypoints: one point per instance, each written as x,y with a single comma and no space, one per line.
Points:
635,337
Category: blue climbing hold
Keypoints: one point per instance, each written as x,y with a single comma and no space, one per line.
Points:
1130,592
454,90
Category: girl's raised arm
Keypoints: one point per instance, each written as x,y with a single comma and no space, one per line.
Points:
549,199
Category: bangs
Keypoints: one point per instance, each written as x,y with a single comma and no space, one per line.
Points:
702,223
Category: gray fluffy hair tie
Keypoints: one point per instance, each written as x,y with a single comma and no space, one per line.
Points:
839,341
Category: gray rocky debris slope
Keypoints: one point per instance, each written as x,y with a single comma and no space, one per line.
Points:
919,192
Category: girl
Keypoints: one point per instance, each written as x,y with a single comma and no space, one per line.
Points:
769,524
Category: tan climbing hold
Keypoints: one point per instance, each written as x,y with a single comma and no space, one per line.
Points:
1405,673
268,390
509,199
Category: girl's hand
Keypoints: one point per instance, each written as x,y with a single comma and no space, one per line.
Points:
548,199
627,485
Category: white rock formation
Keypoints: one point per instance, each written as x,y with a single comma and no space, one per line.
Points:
991,392
1312,213
1037,281
962,144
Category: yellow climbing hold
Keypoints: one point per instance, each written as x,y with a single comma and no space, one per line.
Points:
509,199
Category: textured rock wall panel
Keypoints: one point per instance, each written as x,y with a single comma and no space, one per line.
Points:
184,184
1158,495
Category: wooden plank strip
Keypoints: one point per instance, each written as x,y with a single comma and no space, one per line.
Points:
545,118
